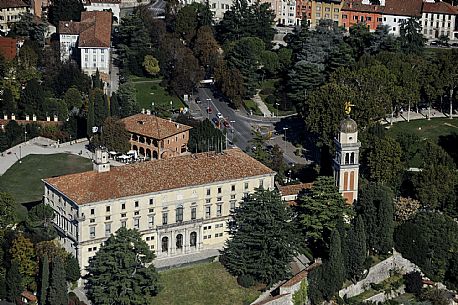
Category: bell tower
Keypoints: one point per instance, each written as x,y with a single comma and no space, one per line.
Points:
100,161
346,162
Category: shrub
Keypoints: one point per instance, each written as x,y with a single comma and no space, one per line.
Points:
271,99
267,91
245,280
413,281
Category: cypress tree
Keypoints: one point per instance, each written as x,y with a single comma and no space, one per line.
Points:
44,280
14,285
90,117
72,269
115,108
58,287
356,243
386,224
333,268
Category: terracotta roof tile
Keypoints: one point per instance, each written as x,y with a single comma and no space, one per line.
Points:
300,276
12,4
94,29
293,189
29,296
411,8
158,175
440,8
153,126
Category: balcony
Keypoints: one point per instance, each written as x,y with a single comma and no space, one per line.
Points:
79,218
179,224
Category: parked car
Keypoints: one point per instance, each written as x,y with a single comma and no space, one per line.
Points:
219,115
209,110
216,122
226,124
198,101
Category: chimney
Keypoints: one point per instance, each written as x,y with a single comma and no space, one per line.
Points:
55,118
5,116
27,117
13,117
177,125
34,117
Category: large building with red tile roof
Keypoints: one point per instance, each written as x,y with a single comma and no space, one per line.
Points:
180,205
156,138
88,39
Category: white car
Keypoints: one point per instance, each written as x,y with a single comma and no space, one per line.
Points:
219,115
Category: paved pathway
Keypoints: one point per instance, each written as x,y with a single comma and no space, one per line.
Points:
44,146
423,114
261,105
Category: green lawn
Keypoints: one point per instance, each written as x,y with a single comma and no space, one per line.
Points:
251,105
151,91
202,284
23,180
431,129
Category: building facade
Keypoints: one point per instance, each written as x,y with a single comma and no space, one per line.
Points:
439,19
325,9
284,10
303,10
156,138
104,5
180,205
88,41
10,12
346,162
354,12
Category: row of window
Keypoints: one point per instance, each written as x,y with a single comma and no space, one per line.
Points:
327,9
216,235
327,16
442,24
438,16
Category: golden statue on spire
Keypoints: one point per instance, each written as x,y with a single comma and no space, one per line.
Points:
348,106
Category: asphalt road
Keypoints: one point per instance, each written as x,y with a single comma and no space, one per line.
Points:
242,126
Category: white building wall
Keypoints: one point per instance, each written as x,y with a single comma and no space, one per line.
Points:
85,227
95,58
435,25
113,7
67,45
394,23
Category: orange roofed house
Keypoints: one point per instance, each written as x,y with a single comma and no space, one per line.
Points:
156,138
358,11
89,40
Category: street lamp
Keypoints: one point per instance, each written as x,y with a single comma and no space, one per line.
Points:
285,129
152,107
277,104
232,128
171,106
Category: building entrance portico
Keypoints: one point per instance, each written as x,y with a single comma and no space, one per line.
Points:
180,241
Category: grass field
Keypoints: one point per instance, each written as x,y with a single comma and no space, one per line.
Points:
431,129
23,180
151,91
202,284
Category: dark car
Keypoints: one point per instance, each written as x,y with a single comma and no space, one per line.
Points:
209,110
198,101
226,124
216,122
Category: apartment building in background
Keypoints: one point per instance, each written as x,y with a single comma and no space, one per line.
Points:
181,205
156,138
439,19
354,12
113,6
10,12
88,41
325,9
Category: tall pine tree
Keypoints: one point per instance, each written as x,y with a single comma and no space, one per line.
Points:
58,287
44,284
333,268
263,239
14,285
356,247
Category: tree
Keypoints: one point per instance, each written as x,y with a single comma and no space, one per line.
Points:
65,10
413,282
31,27
411,37
7,103
262,244
151,65
58,287
333,268
44,283
14,133
206,48
7,214
319,210
14,286
375,205
39,223
114,135
356,245
300,296
72,269
97,98
127,100
26,66
32,98
230,83
73,98
205,137
430,240
405,208
121,262
384,161
23,252
188,20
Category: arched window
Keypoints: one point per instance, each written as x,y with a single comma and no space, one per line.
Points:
179,214
179,242
352,158
165,244
347,158
193,239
